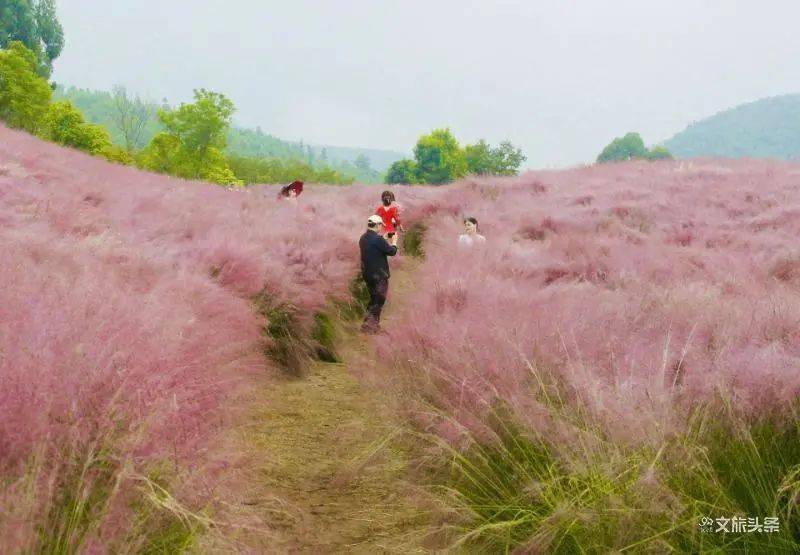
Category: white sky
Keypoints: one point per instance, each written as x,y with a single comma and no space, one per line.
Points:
559,78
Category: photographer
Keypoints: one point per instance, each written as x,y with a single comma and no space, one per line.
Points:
375,269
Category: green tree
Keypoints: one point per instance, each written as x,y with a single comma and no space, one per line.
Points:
201,125
629,147
506,159
659,153
439,158
131,116
24,95
194,140
162,154
402,171
482,159
35,24
479,158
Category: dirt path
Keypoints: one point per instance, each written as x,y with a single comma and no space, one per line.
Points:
333,460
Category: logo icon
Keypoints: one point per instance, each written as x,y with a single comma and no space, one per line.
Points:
706,524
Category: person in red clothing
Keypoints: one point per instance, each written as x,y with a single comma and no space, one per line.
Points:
389,211
291,191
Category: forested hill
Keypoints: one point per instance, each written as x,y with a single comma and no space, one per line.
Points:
98,107
767,128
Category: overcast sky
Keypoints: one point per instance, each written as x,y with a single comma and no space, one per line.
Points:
559,78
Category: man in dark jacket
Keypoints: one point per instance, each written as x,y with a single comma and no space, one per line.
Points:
375,270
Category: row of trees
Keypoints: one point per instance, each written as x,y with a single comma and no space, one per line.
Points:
189,141
438,158
134,122
192,143
631,147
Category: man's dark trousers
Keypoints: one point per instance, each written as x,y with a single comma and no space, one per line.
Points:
378,289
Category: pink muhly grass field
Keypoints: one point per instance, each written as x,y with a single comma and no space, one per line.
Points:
127,329
642,289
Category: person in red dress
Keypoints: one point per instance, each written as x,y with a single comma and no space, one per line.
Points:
389,211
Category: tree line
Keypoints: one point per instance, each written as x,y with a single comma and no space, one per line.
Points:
133,123
188,141
438,158
191,141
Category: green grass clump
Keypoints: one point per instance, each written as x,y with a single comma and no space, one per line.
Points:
293,342
287,347
521,491
323,332
355,307
726,466
516,493
286,344
413,239
95,482
162,525
80,504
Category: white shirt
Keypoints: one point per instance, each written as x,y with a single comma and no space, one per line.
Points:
465,240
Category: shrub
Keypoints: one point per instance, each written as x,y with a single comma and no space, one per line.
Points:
65,125
24,95
324,334
412,240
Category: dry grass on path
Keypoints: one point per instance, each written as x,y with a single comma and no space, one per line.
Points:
330,460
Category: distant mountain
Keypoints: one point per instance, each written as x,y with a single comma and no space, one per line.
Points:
767,128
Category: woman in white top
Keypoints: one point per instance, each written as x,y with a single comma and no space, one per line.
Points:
470,236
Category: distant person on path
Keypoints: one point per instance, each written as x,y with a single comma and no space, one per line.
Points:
375,270
389,211
470,236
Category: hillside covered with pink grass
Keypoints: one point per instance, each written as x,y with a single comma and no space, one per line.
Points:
618,362
128,327
627,295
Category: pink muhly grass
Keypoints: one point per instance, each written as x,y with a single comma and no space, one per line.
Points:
126,322
673,285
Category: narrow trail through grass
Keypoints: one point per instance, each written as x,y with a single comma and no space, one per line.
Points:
333,458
